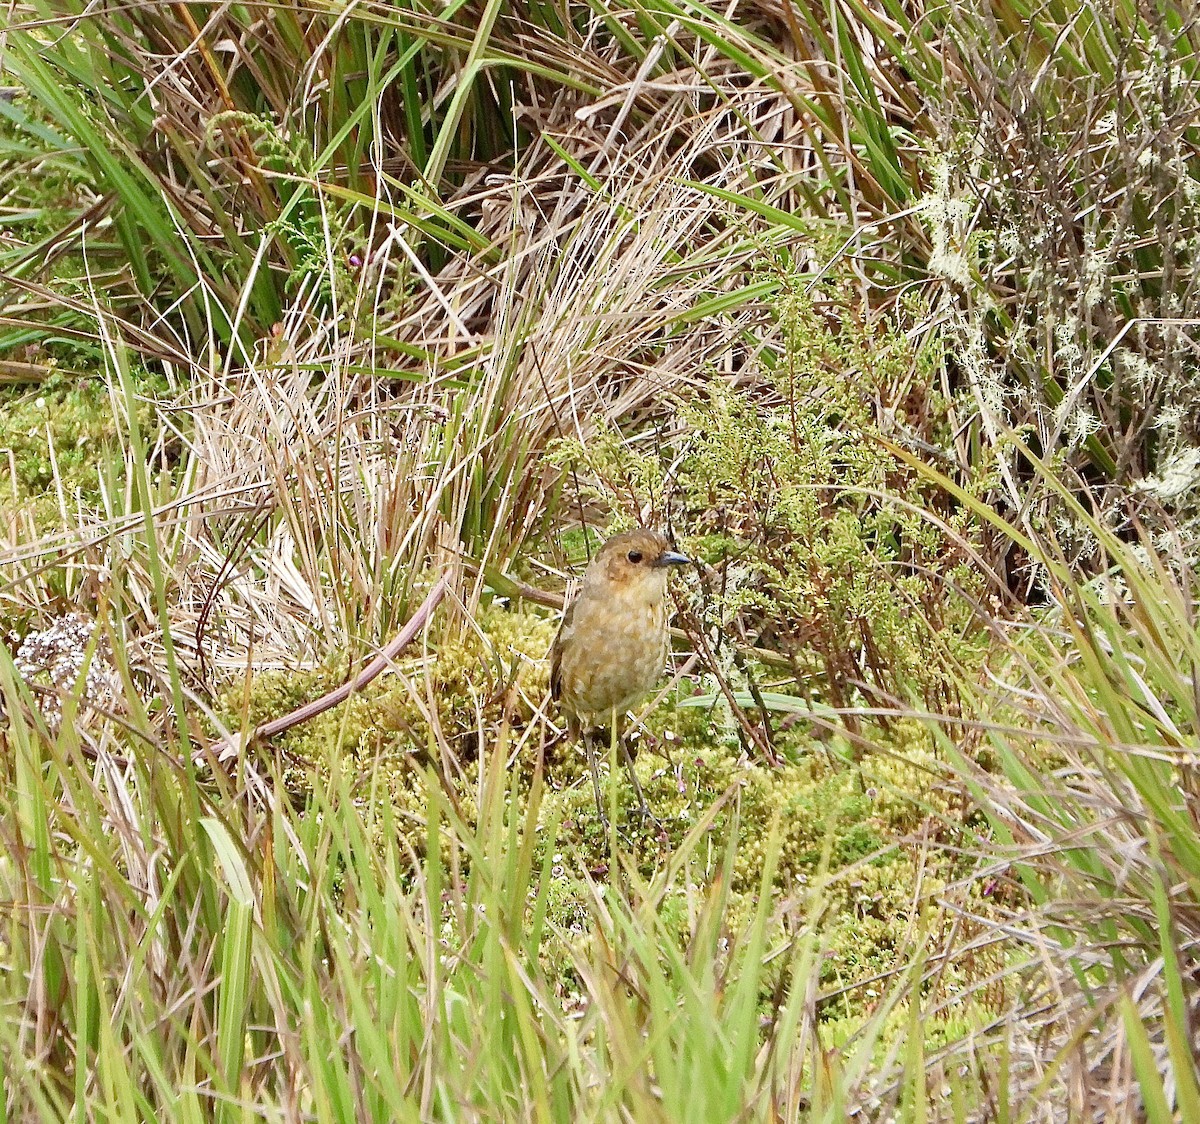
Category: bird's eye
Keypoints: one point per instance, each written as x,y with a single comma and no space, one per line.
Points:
634,556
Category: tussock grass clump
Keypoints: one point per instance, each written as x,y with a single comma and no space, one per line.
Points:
1092,823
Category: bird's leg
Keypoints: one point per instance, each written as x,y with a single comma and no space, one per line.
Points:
614,732
643,807
595,770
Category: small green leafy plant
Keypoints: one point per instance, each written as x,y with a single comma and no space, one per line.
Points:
826,547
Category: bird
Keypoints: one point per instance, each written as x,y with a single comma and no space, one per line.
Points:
612,644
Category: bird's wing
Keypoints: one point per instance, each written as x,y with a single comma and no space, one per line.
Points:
556,652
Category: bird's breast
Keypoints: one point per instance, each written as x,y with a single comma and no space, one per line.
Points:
613,654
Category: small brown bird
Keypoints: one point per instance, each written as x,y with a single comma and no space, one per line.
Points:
612,645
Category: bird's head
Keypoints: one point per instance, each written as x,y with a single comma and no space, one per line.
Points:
634,560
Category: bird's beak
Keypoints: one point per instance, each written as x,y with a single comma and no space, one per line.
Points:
671,558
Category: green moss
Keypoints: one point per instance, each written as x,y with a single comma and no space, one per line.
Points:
386,725
62,434
72,419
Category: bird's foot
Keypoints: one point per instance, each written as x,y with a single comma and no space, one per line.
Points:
643,811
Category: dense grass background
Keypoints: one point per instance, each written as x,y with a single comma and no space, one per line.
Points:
888,310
